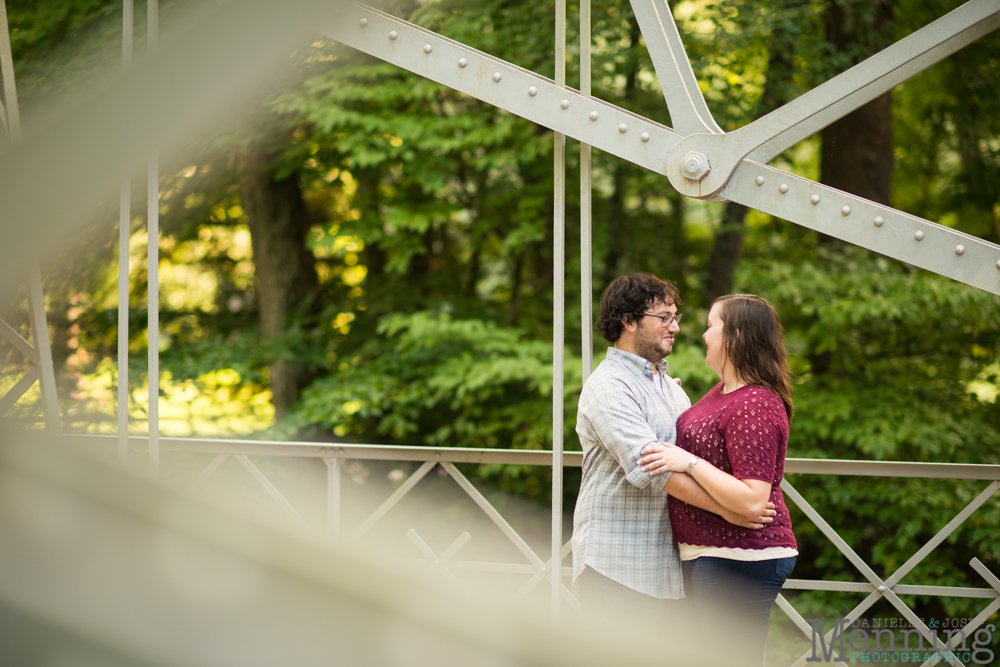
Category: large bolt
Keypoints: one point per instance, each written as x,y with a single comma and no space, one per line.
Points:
695,166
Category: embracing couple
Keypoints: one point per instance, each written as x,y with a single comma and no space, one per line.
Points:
679,513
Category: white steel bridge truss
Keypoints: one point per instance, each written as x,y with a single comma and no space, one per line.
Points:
698,159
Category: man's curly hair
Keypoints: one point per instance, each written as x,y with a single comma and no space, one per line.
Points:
629,297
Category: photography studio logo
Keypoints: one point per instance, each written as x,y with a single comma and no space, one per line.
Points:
877,643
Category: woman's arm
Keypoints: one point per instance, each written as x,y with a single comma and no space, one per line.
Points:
746,497
684,488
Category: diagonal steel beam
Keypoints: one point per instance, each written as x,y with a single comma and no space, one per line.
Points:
273,491
40,336
966,24
942,534
883,229
212,467
15,339
885,588
806,115
12,114
804,626
491,512
992,608
541,573
870,225
986,613
502,84
854,615
437,563
393,499
17,391
864,569
689,113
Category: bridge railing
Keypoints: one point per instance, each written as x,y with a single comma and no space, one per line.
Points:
536,569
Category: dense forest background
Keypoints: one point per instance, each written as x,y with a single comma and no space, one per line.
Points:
367,256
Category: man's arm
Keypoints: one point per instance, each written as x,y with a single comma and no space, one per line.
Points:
611,416
681,486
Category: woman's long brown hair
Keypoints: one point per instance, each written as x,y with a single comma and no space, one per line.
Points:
755,344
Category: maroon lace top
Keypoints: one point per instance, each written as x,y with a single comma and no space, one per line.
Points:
744,433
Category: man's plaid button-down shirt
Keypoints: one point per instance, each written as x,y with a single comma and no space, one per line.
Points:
621,527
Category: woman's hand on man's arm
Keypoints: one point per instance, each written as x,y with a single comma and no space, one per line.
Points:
747,498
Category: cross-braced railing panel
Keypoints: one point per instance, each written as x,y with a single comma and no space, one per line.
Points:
445,564
39,355
532,566
889,588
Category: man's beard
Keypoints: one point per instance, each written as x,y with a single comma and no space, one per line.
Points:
649,346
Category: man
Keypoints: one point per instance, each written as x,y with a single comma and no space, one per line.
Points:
623,548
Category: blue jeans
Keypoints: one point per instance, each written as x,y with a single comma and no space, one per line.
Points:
732,602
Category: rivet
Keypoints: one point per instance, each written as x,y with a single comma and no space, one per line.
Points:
814,199
644,136
594,115
393,34
497,76
532,91
363,23
564,104
759,180
846,211
437,456
960,250
919,236
879,221
783,188
881,589
428,48
623,128
998,263
462,62
543,570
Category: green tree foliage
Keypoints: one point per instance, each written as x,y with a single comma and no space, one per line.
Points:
433,249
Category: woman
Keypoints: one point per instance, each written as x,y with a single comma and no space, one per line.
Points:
733,442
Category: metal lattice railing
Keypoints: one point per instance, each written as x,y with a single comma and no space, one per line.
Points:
536,569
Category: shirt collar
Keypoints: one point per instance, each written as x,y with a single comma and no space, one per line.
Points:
634,362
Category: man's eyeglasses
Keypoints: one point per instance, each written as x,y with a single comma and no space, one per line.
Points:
667,320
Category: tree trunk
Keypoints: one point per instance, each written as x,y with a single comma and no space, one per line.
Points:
857,152
726,253
728,246
285,273
857,149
